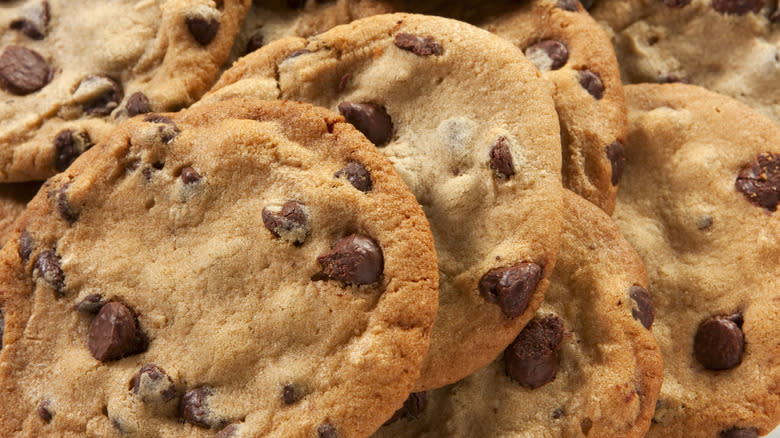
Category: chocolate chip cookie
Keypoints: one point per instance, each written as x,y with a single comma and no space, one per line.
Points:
587,365
699,202
476,139
13,198
245,269
69,69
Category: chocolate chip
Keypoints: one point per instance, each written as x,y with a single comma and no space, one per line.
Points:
370,119
63,205
759,181
202,29
587,4
45,411
421,46
190,175
501,159
704,222
532,358
228,432
98,95
48,267
677,3
25,246
2,328
343,82
585,425
719,342
617,158
569,5
511,287
288,394
557,413
114,333
291,223
548,55
195,408
737,7
167,132
152,385
737,432
91,304
137,103
22,71
354,259
296,4
413,406
68,145
326,431
297,53
255,42
644,310
591,81
357,175
34,22
775,17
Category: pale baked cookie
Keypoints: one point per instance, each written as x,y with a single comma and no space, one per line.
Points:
13,198
249,268
587,365
476,139
728,46
698,201
69,69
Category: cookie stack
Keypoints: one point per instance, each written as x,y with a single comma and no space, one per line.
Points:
385,218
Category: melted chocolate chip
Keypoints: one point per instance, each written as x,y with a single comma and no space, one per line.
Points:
569,5
203,30
617,158
737,7
22,71
291,223
413,406
137,103
737,432
501,159
114,333
511,287
152,385
48,267
25,246
532,358
255,42
677,3
591,81
370,119
759,181
91,304
327,431
98,95
719,342
68,145
45,411
548,55
189,176
288,394
63,205
420,46
195,408
34,22
357,175
354,259
644,310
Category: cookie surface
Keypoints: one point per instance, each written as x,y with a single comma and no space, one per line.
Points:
473,138
587,365
698,201
13,198
245,268
730,47
64,78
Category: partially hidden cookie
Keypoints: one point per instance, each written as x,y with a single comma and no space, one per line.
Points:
70,69
245,269
727,46
13,199
587,365
476,139
698,201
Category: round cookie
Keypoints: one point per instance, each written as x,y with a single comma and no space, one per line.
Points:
13,198
587,365
249,268
69,69
476,140
730,47
698,201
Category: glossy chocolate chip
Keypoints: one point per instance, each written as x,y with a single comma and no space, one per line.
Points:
63,205
419,45
413,406
569,5
291,223
532,358
737,7
137,103
370,119
511,287
644,310
202,29
357,175
327,431
719,342
34,21
45,411
548,55
48,267
355,259
22,71
25,246
91,304
189,176
195,408
677,3
98,95
114,333
737,432
68,145
152,385
591,81
617,158
255,42
501,159
759,181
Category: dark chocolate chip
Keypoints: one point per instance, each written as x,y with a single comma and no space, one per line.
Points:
255,42
532,358
152,385
569,5
617,158
68,145
195,408
738,432
591,81
344,81
737,7
2,328
228,432
548,55
25,246
45,411
759,181
63,205
190,175
413,406
288,394
354,259
327,431
137,103
22,71
291,223
775,17
357,175
719,342
91,304
511,287
557,413
167,132
370,119
421,46
585,425
204,30
644,310
587,4
48,267
297,53
98,94
677,3
34,22
114,333
501,159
